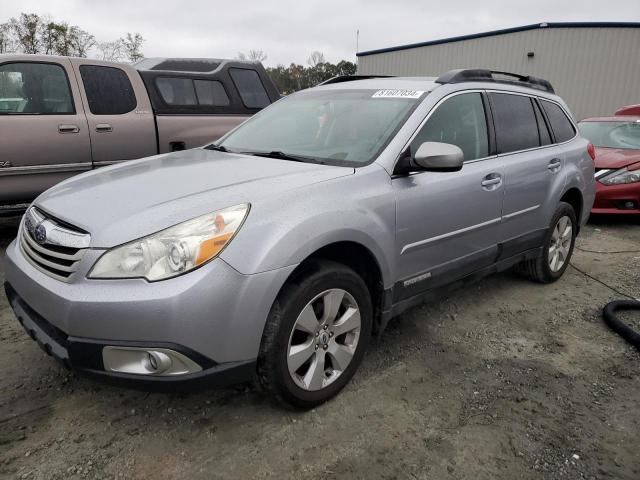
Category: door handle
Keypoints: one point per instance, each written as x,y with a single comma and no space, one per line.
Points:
68,129
104,128
491,181
555,165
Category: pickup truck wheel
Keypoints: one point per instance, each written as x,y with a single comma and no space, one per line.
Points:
556,249
316,335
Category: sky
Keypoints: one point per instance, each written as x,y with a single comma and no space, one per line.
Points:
289,30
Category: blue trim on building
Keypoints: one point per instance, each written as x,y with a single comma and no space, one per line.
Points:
504,31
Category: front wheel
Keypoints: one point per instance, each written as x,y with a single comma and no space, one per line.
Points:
556,249
316,335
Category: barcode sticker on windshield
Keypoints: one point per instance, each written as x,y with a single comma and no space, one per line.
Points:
398,94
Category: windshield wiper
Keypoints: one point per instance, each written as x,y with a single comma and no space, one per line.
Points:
217,148
284,156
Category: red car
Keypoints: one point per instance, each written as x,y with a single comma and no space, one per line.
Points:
617,142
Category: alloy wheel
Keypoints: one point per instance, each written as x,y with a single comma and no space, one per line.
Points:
560,246
324,339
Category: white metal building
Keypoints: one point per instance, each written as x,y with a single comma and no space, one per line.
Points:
594,67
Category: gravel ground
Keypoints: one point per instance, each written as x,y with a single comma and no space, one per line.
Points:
505,379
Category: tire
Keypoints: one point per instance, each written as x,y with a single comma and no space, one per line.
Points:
303,299
540,268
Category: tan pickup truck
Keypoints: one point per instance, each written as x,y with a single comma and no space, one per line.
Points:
60,116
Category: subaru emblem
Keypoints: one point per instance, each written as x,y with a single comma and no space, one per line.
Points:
40,233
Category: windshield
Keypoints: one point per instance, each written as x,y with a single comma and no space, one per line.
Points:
612,134
337,127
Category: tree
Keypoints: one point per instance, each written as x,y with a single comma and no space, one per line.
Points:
132,46
26,30
253,55
257,55
7,43
315,58
296,77
111,51
83,41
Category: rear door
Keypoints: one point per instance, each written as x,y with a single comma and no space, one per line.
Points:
531,164
447,222
43,131
119,113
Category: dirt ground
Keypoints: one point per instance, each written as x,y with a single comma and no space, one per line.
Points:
506,379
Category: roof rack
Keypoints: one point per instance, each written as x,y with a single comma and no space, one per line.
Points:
481,75
350,78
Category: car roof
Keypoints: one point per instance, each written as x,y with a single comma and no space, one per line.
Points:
379,83
429,84
615,118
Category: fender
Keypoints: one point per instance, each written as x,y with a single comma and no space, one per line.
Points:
283,231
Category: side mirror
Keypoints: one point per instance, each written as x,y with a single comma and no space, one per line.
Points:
438,157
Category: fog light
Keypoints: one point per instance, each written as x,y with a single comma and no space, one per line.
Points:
626,204
157,362
147,361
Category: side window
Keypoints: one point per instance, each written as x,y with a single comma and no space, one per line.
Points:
560,124
177,91
250,87
35,88
108,89
515,122
543,130
460,121
211,92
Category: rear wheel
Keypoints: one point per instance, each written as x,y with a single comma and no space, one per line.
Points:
557,248
316,335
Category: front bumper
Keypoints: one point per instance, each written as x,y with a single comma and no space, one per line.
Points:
85,355
214,315
611,199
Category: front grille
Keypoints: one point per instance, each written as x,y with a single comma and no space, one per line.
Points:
60,253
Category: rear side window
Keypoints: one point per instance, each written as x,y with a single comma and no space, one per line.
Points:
185,92
560,124
460,121
211,92
34,88
543,130
108,89
177,91
515,122
250,87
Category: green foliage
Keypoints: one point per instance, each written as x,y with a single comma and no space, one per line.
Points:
297,77
132,46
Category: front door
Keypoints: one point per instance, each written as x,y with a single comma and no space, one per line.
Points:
447,223
43,131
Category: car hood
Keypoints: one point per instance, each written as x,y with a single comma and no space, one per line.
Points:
120,203
616,157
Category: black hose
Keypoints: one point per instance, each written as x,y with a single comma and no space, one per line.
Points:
617,325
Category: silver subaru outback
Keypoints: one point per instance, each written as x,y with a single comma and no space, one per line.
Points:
277,252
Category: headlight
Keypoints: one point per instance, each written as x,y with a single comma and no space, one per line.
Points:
173,251
622,176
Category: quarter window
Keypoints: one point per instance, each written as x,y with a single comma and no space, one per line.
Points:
515,122
560,124
108,89
543,130
460,121
34,88
250,87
